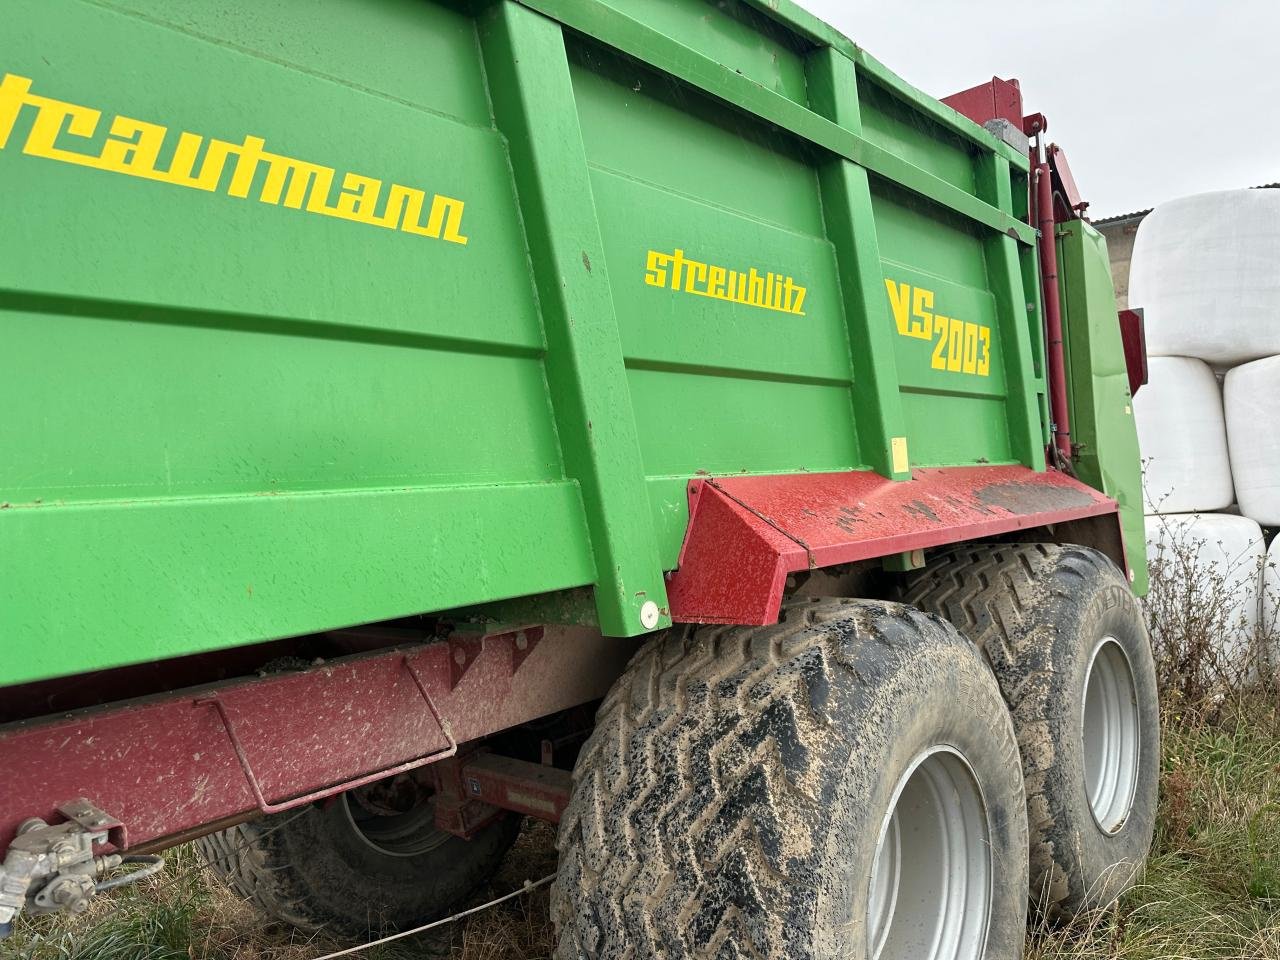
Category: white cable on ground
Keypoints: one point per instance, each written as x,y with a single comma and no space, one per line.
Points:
529,886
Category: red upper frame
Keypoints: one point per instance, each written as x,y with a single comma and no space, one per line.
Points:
746,534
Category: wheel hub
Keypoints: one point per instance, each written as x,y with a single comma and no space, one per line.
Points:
395,819
931,881
1110,730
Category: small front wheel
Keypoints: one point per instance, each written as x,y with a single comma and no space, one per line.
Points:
370,861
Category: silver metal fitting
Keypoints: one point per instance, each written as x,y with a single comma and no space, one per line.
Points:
50,868
1010,133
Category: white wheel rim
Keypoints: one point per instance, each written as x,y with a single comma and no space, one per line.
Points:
931,880
1111,735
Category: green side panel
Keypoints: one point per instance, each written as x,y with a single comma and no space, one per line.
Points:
128,239
181,575
351,47
648,126
1102,424
951,352
1017,318
735,35
689,331
895,126
736,426
312,321
232,418
951,429
696,200
703,71
199,410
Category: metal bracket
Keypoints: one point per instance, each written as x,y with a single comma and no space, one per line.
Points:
522,644
1010,133
456,812
463,652
343,786
95,821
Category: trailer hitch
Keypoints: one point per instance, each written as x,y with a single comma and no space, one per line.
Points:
52,867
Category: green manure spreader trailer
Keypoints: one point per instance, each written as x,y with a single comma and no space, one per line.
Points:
650,416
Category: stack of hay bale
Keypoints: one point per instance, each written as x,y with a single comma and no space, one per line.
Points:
1206,270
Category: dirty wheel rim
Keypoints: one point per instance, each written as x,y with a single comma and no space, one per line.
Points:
1111,733
931,881
400,835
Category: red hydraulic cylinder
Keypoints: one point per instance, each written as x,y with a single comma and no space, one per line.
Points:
1052,312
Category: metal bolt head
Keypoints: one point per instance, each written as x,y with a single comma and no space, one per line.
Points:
649,615
522,642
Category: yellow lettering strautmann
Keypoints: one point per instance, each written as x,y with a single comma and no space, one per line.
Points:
133,148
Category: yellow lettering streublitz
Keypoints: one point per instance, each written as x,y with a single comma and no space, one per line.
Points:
133,147
959,346
769,291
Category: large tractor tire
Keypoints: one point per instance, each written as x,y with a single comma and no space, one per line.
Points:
843,784
352,871
1065,638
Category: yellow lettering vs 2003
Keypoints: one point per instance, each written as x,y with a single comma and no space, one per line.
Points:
959,346
769,291
133,148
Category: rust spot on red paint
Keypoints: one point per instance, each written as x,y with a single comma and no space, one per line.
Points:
1024,499
918,508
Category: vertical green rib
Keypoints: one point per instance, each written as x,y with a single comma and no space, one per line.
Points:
533,103
851,227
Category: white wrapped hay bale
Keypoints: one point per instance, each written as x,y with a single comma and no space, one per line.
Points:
1182,437
1252,403
1204,269
1206,579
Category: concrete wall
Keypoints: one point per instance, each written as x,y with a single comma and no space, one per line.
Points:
1120,233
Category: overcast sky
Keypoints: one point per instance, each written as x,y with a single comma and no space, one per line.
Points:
1150,100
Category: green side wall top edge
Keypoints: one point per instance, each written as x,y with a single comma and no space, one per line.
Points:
648,45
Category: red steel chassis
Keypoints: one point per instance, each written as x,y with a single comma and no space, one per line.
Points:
179,764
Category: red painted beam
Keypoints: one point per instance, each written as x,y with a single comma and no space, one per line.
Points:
529,788
167,767
746,534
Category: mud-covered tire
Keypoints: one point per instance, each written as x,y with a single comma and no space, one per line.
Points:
315,870
1039,612
733,794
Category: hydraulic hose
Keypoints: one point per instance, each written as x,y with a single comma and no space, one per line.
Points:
154,864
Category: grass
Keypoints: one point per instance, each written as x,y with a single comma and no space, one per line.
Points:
185,914
1211,889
